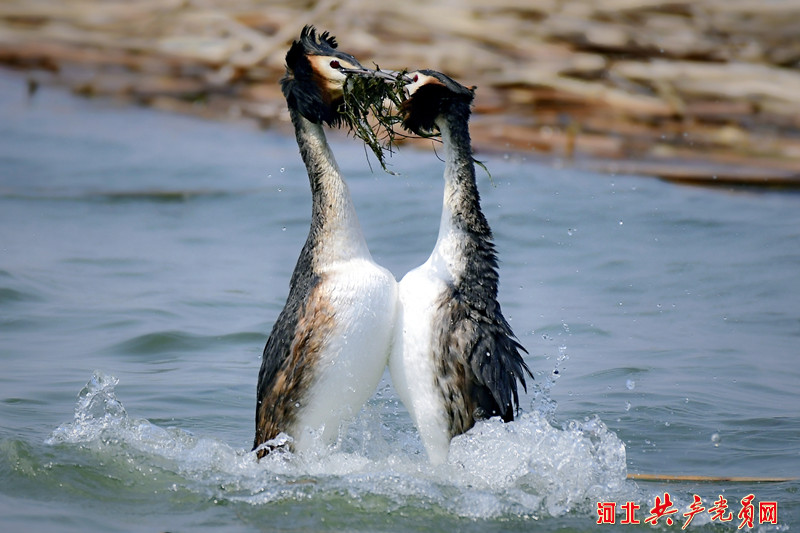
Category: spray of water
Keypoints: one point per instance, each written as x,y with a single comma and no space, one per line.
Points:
529,467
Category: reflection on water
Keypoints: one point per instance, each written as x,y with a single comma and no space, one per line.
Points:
662,324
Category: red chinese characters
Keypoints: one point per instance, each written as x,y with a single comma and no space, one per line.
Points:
660,510
719,511
695,508
747,514
767,512
605,512
630,513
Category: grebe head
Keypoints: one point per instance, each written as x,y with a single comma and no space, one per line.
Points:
315,76
431,95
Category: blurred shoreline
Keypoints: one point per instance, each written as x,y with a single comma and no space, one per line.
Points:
701,92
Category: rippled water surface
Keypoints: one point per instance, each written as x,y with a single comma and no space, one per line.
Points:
144,256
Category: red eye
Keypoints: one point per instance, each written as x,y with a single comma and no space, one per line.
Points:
416,77
335,64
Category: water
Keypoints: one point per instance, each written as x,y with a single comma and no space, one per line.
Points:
144,256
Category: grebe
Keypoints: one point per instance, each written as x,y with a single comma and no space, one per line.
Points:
329,346
454,358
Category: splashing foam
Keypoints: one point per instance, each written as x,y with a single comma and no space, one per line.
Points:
527,468
96,411
564,467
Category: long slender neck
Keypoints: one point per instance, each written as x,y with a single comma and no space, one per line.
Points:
461,198
335,231
464,235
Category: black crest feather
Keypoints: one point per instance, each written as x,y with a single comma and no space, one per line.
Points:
299,85
324,44
447,97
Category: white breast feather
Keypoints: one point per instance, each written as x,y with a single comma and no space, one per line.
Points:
364,297
411,363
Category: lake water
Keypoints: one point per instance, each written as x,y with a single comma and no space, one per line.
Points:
144,256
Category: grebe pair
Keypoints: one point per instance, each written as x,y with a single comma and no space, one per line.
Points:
452,355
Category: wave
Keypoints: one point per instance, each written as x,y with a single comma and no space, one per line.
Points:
125,196
9,295
527,468
181,341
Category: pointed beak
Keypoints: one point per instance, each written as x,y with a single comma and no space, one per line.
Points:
387,75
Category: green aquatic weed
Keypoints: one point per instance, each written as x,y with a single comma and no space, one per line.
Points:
378,97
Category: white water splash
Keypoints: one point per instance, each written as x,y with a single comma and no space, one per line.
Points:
524,468
564,467
96,411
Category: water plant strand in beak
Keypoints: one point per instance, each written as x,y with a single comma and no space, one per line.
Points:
388,75
377,93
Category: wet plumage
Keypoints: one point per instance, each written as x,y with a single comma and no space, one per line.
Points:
329,346
455,359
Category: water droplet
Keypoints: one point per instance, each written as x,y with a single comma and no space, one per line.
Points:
630,384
